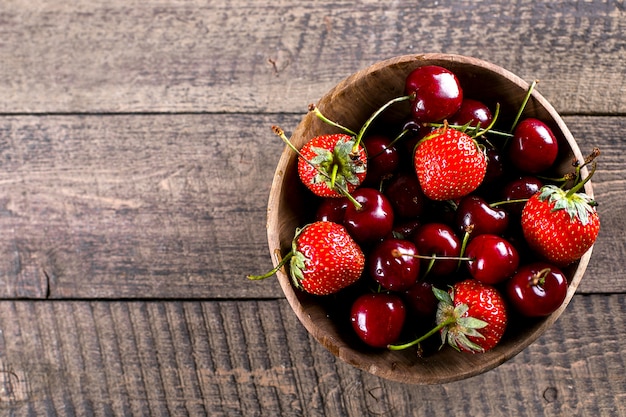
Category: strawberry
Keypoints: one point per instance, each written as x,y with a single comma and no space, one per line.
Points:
328,165
323,260
449,164
560,225
471,317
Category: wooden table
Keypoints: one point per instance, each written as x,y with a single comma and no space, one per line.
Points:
135,161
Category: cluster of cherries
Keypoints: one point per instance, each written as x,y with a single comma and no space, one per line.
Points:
412,243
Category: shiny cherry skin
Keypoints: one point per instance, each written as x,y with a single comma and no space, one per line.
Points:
474,211
537,289
383,158
493,259
437,91
393,264
534,147
332,210
519,189
440,240
378,318
472,112
405,195
405,229
420,301
373,221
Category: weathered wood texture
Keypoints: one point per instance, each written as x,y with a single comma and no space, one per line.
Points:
173,206
250,358
268,56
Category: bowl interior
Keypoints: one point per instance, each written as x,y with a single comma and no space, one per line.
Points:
350,103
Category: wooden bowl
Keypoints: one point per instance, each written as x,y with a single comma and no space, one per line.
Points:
290,205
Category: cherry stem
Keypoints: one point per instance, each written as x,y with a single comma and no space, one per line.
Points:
368,122
468,231
500,203
281,133
461,127
524,103
397,254
540,277
313,108
582,183
273,271
420,339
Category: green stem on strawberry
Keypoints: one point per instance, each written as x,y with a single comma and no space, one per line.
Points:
462,127
313,108
333,176
420,339
373,117
273,271
582,183
524,103
281,133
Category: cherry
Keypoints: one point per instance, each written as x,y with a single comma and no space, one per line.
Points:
405,229
392,263
332,210
493,259
405,195
474,211
373,220
495,165
440,240
436,93
472,112
420,300
383,158
378,318
520,189
537,289
534,147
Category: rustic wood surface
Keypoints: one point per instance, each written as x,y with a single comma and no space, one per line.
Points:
136,160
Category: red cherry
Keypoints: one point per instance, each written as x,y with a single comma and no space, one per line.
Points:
383,158
332,210
373,220
392,263
440,240
493,259
405,195
495,166
421,301
520,189
472,112
534,147
537,289
438,93
476,212
378,318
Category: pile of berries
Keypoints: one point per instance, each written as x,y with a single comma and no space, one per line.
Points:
448,224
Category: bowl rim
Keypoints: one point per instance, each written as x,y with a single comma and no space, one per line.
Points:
311,322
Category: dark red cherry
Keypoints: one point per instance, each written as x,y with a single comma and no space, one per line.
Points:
405,229
495,166
440,240
520,189
438,93
493,259
405,195
472,112
475,211
537,289
420,300
534,147
383,158
392,263
332,210
378,318
373,220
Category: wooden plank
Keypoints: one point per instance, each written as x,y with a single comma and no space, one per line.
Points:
180,56
174,205
233,358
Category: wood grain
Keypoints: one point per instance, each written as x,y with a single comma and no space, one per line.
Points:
245,358
179,56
